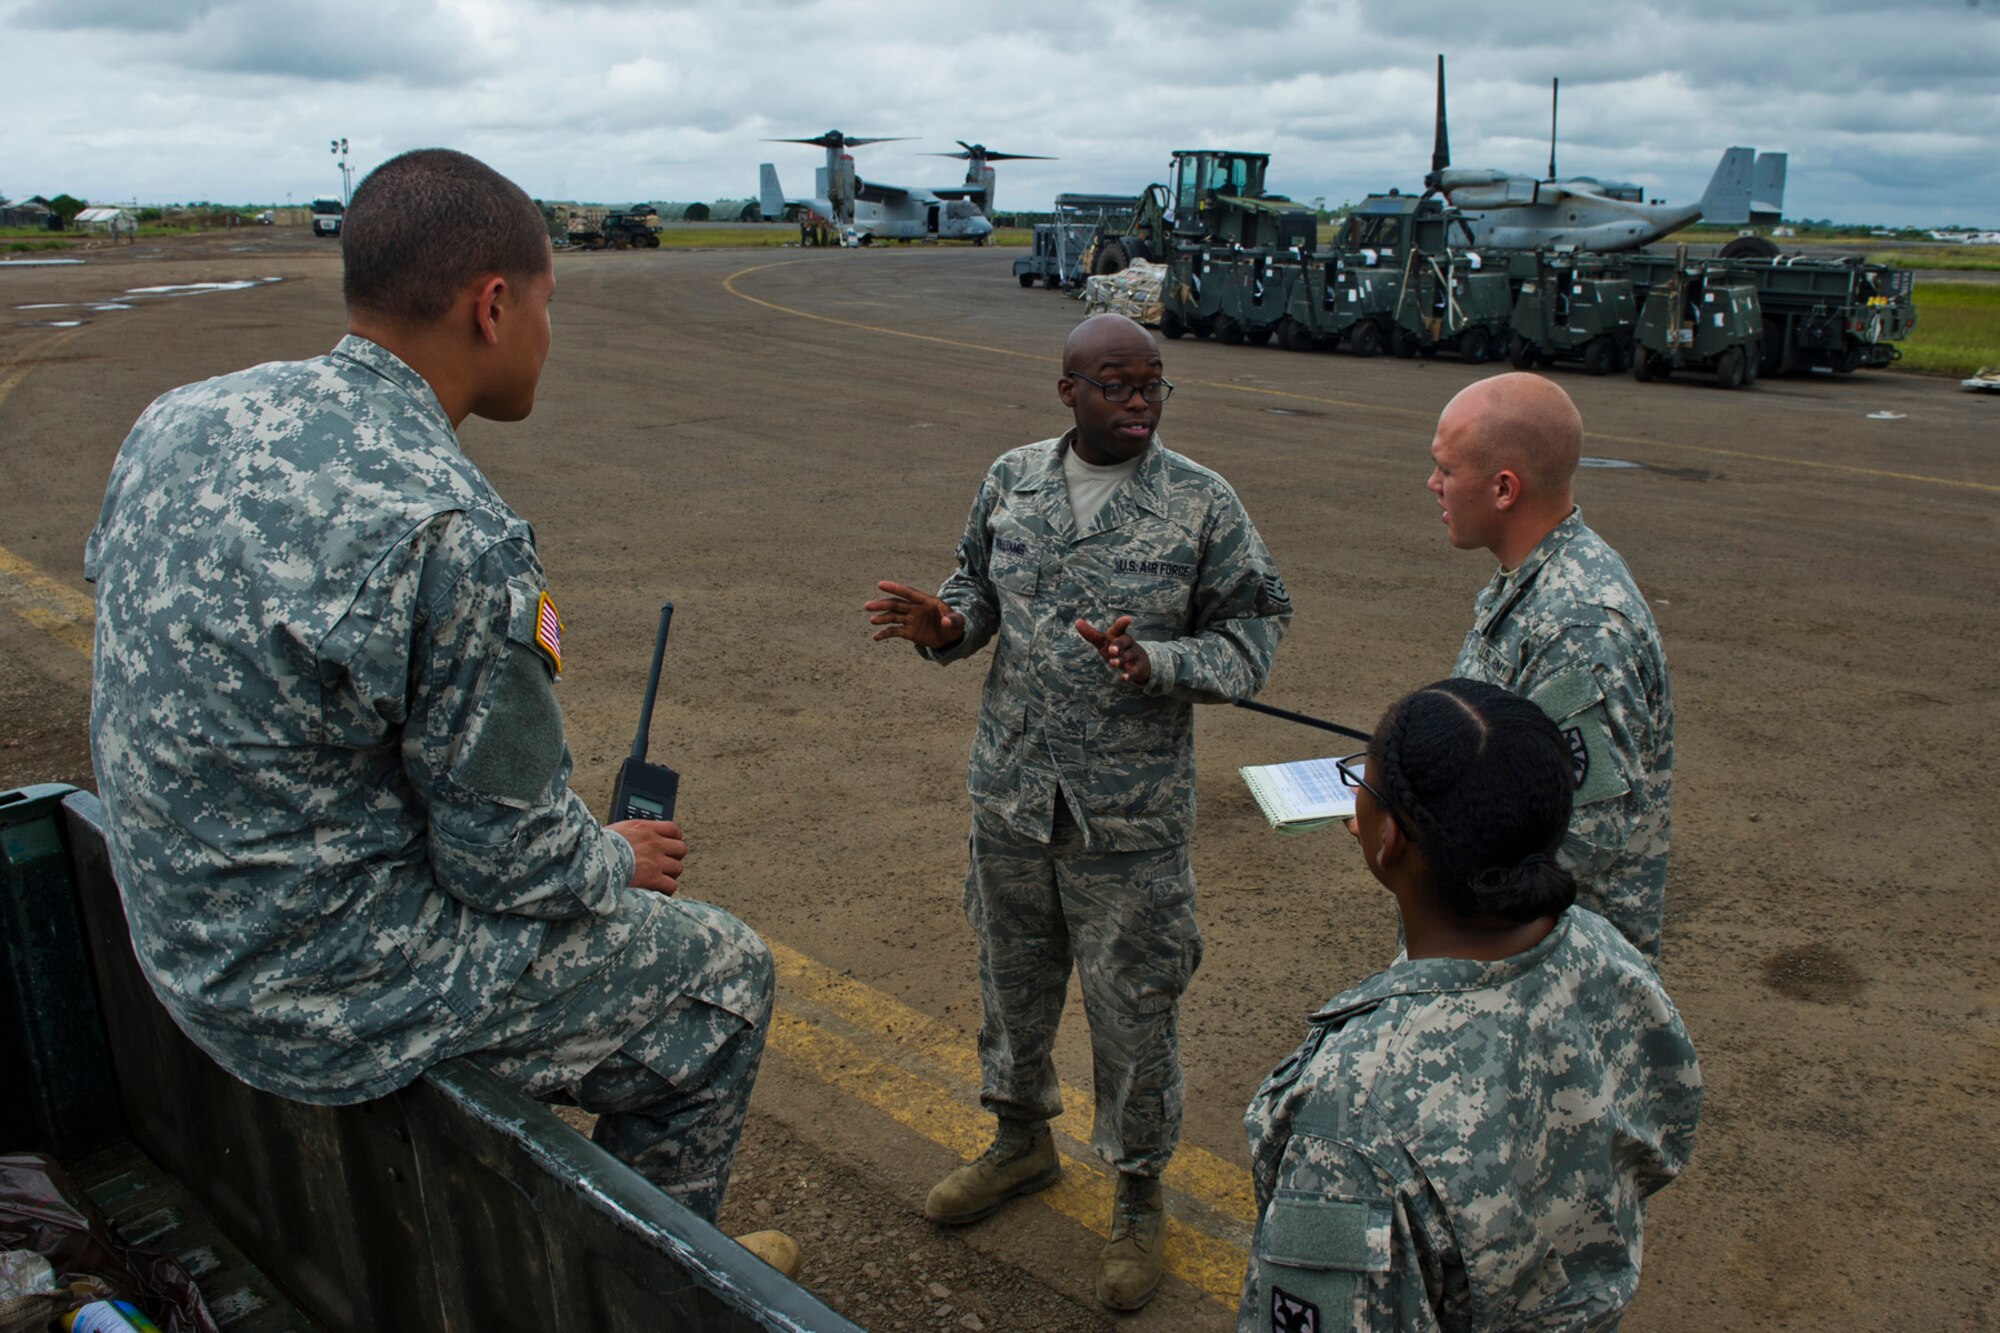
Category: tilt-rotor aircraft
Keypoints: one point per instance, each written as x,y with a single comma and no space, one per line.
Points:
979,177
860,211
1510,211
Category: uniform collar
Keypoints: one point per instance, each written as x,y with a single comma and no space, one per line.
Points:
1558,537
1442,976
373,356
1514,586
1145,490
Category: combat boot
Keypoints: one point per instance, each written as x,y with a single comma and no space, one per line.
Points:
1130,1264
776,1249
1021,1161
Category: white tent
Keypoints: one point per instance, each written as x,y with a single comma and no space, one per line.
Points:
115,221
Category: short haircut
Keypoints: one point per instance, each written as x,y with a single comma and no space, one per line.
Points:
425,224
1482,781
1528,424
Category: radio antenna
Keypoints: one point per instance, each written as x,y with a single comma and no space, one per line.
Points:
652,684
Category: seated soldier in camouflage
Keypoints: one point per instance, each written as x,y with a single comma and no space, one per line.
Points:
1468,1140
326,732
1120,584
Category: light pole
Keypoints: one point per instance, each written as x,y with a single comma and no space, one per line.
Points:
339,148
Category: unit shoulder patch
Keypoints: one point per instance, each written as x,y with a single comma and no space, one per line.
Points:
1289,1314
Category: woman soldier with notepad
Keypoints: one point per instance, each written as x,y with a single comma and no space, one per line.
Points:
1467,1140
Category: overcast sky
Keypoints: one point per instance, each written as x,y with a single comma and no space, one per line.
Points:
1890,111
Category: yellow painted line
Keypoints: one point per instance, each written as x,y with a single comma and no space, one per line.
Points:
1850,469
17,370
1084,1193
729,285
1781,460
1220,1185
61,612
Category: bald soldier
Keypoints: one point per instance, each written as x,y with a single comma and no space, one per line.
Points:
1563,623
1121,584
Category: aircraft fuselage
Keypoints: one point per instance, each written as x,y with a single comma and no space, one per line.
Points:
1588,223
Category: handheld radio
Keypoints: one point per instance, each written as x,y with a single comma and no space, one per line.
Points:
647,791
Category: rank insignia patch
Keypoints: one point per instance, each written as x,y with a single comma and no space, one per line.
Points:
1579,754
548,631
1289,1314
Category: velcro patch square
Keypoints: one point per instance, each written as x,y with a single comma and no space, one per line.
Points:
548,631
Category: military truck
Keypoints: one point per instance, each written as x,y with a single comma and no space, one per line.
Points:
1217,197
326,216
634,228
1700,318
1060,244
454,1203
1573,308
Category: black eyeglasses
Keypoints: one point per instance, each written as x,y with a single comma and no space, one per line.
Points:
1351,777
1156,392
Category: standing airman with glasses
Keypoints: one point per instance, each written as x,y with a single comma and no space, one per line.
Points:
1122,583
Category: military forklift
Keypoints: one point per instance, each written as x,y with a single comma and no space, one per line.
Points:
1217,197
1704,318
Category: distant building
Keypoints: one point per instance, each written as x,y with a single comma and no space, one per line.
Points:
34,212
112,222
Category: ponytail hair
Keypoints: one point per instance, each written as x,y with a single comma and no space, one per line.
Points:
1481,779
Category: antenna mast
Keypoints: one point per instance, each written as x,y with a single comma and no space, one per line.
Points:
1555,86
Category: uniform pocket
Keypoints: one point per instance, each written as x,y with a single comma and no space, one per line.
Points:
1316,1253
1017,575
1175,940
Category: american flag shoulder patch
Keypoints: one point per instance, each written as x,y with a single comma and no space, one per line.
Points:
548,631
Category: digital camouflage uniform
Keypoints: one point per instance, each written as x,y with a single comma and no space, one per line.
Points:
1570,631
327,740
1082,785
1462,1145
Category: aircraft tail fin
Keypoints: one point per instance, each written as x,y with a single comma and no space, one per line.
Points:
1727,198
771,198
1767,193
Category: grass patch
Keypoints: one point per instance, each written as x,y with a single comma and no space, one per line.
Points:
29,247
1958,329
1963,258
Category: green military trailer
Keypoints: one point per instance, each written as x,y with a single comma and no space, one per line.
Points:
1404,279
1826,315
1240,296
1704,318
1569,308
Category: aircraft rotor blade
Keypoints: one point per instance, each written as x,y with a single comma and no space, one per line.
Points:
995,157
835,139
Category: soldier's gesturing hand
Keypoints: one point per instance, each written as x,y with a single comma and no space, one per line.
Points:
917,616
657,852
1120,651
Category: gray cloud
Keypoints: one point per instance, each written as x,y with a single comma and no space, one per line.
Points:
1888,113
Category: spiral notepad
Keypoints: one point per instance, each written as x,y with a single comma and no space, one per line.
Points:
1300,796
